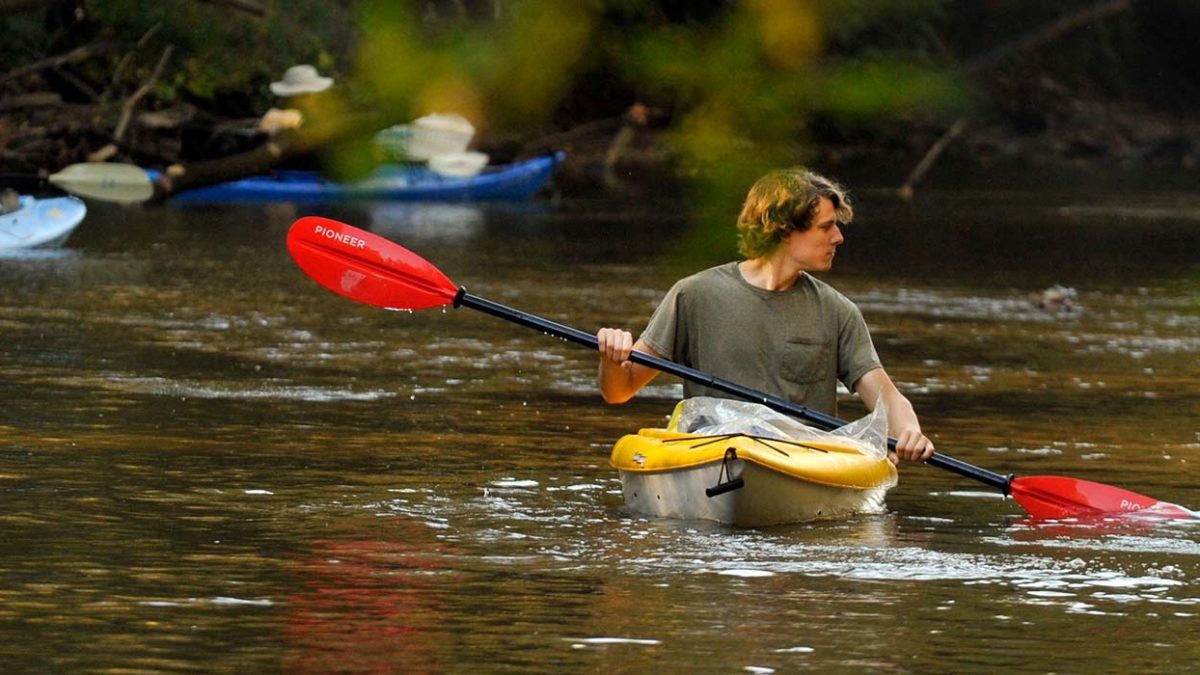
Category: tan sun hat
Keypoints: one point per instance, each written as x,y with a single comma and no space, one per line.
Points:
301,79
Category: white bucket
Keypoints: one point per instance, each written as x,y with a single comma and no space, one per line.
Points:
458,164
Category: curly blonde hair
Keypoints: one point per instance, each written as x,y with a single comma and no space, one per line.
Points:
783,202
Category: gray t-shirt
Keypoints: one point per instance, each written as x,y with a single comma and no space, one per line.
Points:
795,344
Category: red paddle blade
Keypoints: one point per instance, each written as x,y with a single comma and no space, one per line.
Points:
1058,497
366,267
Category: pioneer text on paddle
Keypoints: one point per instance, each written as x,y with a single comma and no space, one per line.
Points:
343,238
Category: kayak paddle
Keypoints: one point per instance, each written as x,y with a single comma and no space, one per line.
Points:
368,268
103,181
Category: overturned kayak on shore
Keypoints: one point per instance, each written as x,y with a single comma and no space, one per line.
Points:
399,182
40,223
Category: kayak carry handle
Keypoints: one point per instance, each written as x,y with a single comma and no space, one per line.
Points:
725,480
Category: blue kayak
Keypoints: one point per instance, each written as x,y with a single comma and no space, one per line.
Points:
519,180
40,223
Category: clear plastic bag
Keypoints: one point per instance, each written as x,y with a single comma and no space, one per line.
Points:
712,416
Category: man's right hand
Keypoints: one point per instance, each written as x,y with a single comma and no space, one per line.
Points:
615,345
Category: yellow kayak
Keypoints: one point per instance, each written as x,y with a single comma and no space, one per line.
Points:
748,480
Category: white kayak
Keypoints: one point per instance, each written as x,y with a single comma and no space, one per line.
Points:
748,480
40,223
744,464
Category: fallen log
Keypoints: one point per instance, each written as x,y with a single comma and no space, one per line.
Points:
37,99
288,144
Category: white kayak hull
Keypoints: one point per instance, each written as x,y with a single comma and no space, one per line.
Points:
748,480
767,497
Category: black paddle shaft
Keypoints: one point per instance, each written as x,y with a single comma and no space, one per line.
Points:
782,405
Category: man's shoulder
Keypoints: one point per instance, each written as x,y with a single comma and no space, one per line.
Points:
705,279
825,291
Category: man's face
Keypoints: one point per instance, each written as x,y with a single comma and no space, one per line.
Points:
813,249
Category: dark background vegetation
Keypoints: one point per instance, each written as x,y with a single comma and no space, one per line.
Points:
712,91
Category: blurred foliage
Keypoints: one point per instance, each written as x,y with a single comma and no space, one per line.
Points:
511,72
743,85
741,81
746,89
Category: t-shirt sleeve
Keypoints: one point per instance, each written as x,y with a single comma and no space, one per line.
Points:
856,352
661,332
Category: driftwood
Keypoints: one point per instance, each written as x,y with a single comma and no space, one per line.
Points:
37,99
74,56
48,137
108,151
128,58
287,144
132,101
931,156
976,66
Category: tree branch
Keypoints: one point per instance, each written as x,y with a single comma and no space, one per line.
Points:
247,6
1037,38
262,159
74,56
132,101
906,190
1045,34
128,58
37,99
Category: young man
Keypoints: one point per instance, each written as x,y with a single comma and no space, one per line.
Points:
765,322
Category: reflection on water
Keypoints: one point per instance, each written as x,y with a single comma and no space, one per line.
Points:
208,461
415,220
17,255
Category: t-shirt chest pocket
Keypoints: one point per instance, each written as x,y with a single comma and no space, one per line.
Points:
805,359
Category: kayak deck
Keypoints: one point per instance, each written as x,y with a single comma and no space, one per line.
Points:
40,223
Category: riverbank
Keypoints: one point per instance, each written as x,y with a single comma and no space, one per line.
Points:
1073,136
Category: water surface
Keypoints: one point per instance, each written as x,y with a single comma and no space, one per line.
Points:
208,463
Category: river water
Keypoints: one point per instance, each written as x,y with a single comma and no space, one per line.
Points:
209,463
